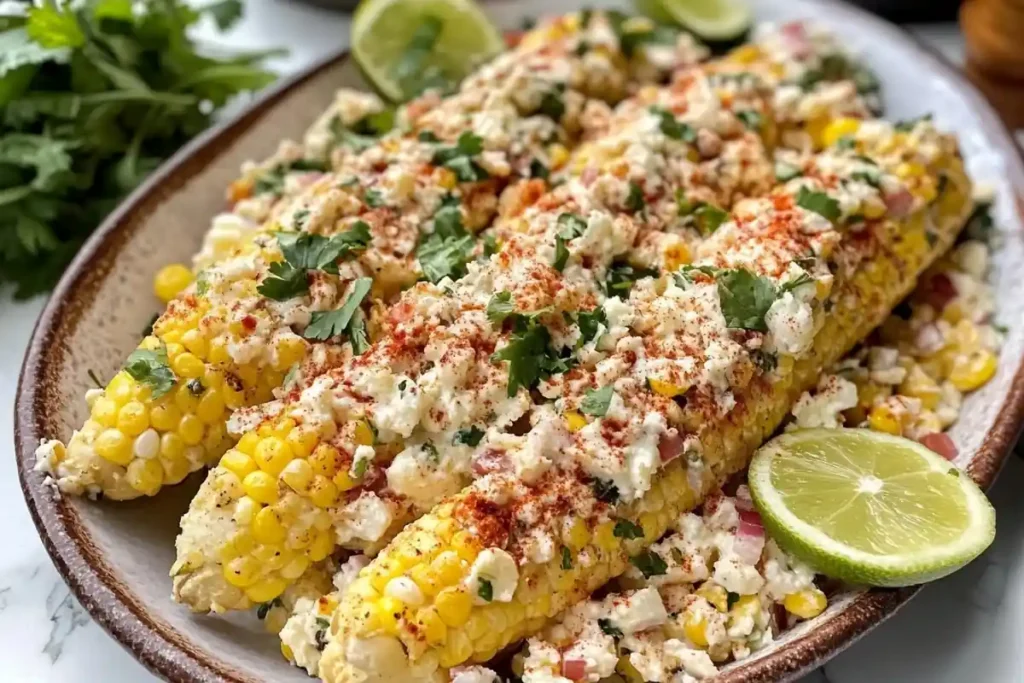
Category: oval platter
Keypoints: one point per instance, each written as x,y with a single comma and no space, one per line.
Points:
115,557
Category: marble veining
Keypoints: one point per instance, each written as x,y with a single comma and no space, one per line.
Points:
965,627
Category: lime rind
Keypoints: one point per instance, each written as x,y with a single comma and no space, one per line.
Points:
712,20
842,561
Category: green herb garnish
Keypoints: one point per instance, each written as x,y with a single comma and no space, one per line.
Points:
818,202
673,127
649,563
151,368
460,157
566,558
627,530
304,252
486,590
597,401
608,629
468,436
327,324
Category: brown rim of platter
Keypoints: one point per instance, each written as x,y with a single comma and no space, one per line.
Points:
166,651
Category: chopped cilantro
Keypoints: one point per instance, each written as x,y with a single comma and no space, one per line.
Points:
709,217
590,323
818,202
731,599
566,558
621,276
605,491
649,563
745,299
486,590
764,360
551,105
460,157
570,226
305,252
152,369
530,355
271,181
445,252
265,607
635,199
845,143
633,36
364,133
327,324
751,119
468,436
359,468
373,198
908,125
627,529
499,307
539,170
491,246
431,450
427,136
673,127
872,177
596,401
608,629
980,225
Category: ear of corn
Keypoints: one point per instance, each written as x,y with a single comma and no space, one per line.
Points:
378,638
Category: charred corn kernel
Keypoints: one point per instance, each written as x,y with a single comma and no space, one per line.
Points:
839,128
171,280
695,626
272,454
363,433
716,595
267,527
322,491
114,446
574,421
805,604
882,418
146,476
261,487
133,419
973,371
666,389
454,606
266,589
241,571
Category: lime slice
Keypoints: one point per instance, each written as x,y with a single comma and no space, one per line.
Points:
713,20
868,507
405,46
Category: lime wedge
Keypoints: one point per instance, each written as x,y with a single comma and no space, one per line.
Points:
714,20
868,507
406,46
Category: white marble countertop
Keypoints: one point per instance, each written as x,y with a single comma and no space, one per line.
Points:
965,627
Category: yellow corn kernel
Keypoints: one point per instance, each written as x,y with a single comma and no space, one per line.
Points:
363,433
238,462
815,127
104,411
390,614
146,476
133,419
746,607
266,589
458,649
290,350
448,568
465,545
446,179
247,444
677,255
211,407
165,417
917,384
185,400
883,419
907,170
190,429
272,454
267,527
261,487
806,604
973,371
324,460
454,606
574,421
604,536
171,280
322,546
188,365
745,54
695,626
114,446
839,128
241,571
666,389
431,625
344,481
716,595
194,341
298,474
558,155
218,352
322,491
301,442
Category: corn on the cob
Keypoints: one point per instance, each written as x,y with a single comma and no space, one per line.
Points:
785,267
320,468
228,346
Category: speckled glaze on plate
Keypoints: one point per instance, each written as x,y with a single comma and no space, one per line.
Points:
115,557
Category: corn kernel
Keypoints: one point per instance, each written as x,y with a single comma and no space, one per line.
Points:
883,419
266,589
272,454
301,441
745,54
190,429
261,487
241,571
290,350
446,178
666,389
454,606
211,407
267,526
695,626
104,411
715,594
363,433
574,421
146,476
604,536
324,460
973,371
322,491
188,365
577,535
917,384
185,400
171,280
465,545
114,446
805,604
121,389
558,155
238,462
165,417
287,653
458,649
448,568
321,547
839,128
296,568
245,510
298,475
389,614
431,625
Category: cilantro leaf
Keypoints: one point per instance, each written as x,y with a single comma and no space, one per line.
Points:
627,530
460,157
609,629
551,105
304,252
908,125
570,227
485,590
529,354
649,563
365,132
539,170
373,198
469,436
709,218
751,119
327,324
590,323
566,558
500,307
672,127
605,491
596,401
818,202
745,299
621,276
445,252
635,199
151,368
53,27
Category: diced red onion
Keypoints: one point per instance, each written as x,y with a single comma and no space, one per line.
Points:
743,500
940,291
749,537
941,443
898,202
795,35
588,176
491,460
670,446
574,669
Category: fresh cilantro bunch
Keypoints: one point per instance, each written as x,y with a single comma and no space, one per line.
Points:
93,97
